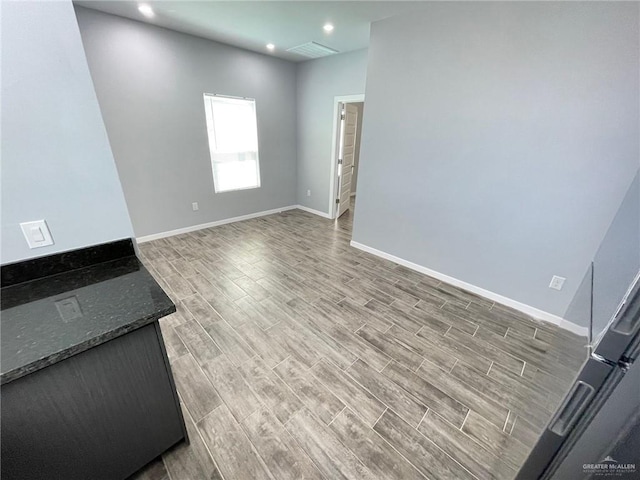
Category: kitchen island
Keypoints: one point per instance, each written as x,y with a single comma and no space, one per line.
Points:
87,391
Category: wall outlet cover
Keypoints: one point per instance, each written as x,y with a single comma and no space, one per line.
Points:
195,206
557,282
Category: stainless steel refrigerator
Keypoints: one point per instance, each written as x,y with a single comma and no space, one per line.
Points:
612,358
603,403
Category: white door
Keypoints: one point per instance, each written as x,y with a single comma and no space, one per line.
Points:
345,160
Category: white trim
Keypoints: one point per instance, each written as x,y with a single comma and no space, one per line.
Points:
522,307
201,226
193,228
334,146
315,212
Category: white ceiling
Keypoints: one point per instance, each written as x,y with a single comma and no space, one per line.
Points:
251,25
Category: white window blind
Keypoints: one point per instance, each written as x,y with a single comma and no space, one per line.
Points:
233,142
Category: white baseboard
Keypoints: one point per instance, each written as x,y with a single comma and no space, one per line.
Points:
315,212
193,228
522,307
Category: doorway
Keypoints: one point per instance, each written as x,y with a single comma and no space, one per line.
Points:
346,153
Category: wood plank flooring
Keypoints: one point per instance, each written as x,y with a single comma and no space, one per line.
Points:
297,356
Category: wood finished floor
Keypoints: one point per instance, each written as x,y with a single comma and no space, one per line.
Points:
297,356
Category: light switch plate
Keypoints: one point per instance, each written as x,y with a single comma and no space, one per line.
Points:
37,233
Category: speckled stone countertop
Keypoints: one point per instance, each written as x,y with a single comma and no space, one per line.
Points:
50,318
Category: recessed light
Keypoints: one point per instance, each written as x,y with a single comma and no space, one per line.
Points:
270,46
328,27
146,10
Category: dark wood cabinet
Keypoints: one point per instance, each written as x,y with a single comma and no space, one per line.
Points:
101,414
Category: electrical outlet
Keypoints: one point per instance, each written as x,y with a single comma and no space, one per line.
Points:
195,207
308,193
557,282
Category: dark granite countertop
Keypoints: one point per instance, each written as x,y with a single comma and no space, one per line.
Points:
48,319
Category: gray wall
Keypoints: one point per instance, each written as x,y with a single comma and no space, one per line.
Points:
499,140
56,160
356,157
615,265
617,260
150,82
319,81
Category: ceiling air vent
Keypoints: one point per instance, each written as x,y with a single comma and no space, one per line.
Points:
312,50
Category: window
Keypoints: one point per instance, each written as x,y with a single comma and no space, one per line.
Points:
233,142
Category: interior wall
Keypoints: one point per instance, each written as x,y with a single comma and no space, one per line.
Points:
150,83
500,139
56,160
615,265
318,83
356,156
617,260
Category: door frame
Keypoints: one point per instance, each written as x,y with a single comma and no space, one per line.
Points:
335,148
